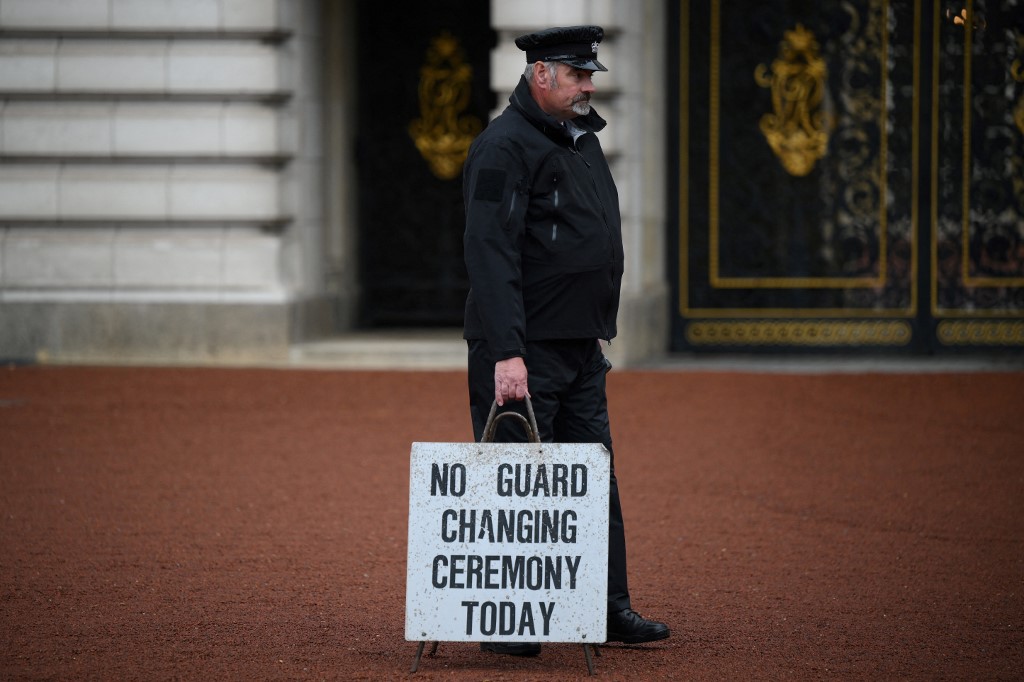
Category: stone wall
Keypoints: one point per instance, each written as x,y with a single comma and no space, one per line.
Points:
158,186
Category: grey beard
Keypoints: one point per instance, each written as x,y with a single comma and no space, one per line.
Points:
581,108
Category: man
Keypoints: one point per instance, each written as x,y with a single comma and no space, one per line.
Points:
543,248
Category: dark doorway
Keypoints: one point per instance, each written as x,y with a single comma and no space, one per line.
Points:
424,93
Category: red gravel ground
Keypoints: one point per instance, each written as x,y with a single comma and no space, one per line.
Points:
236,524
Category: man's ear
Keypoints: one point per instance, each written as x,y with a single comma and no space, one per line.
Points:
540,75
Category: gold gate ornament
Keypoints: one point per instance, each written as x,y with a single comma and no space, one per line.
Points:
796,128
442,134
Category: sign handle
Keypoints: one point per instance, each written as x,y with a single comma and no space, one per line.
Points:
532,433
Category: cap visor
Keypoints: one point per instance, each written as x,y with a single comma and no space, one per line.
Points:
588,64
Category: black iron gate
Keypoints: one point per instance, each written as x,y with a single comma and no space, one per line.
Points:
850,175
423,94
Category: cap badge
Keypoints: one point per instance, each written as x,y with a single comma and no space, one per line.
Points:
593,47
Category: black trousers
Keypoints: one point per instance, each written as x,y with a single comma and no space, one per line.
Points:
567,389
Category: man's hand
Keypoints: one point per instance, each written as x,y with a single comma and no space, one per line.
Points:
510,380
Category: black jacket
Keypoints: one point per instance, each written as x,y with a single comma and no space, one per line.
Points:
543,240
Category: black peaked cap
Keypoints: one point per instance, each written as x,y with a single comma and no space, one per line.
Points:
572,45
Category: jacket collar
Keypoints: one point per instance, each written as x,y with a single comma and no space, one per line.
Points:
522,101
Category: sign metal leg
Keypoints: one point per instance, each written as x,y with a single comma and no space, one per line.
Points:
590,661
419,654
416,661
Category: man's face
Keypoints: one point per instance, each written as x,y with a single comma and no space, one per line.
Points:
567,95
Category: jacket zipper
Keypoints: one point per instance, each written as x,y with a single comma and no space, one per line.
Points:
604,213
597,193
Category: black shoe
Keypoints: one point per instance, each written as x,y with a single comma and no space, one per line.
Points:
630,627
512,648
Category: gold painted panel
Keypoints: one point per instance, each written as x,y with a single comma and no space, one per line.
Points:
825,91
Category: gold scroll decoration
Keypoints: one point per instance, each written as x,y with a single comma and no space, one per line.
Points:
796,128
981,332
798,333
442,133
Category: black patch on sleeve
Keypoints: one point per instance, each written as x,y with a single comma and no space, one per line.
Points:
490,185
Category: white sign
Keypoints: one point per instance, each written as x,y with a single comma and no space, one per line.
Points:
507,542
